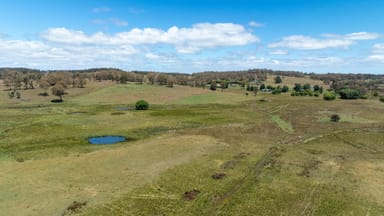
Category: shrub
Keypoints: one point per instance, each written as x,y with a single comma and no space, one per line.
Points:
213,86
335,118
329,96
349,93
375,93
382,99
276,91
141,105
285,89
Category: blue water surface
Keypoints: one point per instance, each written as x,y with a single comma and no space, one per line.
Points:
106,140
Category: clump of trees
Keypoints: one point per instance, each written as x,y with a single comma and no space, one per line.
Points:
348,93
382,99
306,90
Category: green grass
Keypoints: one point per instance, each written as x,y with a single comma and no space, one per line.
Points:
285,126
281,155
213,98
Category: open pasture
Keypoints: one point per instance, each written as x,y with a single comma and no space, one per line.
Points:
274,154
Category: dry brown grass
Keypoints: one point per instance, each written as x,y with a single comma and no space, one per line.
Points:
290,81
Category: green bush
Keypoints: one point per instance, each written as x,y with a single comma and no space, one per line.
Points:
335,118
285,89
382,99
142,105
348,93
329,96
276,91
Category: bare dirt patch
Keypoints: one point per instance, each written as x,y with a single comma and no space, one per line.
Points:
191,195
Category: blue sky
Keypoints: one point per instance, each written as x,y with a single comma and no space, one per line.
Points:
190,36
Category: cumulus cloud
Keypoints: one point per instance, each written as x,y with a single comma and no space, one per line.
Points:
44,55
185,40
302,42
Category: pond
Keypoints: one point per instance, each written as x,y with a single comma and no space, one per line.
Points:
106,140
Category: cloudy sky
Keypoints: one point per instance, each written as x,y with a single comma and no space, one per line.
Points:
194,35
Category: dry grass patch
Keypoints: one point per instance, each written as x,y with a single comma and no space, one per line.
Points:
371,176
45,187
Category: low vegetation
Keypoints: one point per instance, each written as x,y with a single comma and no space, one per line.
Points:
141,105
195,151
329,96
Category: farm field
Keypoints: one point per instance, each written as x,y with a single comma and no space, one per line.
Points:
194,152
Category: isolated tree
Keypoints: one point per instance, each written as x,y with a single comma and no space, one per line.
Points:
278,79
142,105
58,90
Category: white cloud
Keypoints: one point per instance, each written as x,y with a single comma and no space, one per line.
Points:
44,55
378,48
255,24
308,43
354,36
152,56
101,10
361,36
377,58
302,42
310,62
185,40
118,22
113,21
278,52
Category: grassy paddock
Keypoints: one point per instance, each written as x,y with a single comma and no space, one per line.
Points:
277,154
